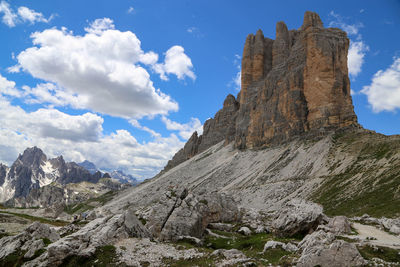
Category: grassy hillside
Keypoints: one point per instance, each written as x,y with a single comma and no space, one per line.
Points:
366,179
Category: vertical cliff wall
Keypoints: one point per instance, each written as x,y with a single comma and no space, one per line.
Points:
296,85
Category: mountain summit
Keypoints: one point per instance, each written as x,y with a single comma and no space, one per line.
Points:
296,85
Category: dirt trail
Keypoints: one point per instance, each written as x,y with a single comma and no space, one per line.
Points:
382,238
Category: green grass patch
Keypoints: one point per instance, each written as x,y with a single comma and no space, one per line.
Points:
17,258
274,255
103,257
378,198
37,219
88,204
205,261
80,207
386,254
251,245
46,241
372,192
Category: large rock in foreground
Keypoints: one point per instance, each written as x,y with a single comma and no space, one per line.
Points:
29,241
321,249
186,214
298,216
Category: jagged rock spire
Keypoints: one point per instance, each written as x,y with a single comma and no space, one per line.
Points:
294,86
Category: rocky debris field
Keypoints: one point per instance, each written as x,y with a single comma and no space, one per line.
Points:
187,229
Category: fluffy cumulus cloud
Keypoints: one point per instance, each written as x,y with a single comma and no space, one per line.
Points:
23,14
384,91
237,80
357,49
185,129
31,16
8,87
176,62
79,137
103,69
356,56
50,123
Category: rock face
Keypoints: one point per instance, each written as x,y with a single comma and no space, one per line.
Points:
340,225
221,127
295,85
96,233
29,241
321,249
298,216
186,214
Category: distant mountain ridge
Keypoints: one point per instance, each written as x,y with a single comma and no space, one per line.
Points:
32,170
115,174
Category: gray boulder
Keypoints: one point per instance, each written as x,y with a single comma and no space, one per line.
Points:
96,233
274,244
298,216
134,227
340,225
39,230
29,240
244,231
32,247
392,225
321,249
195,213
188,214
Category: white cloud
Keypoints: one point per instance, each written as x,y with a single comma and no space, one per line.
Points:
51,93
130,10
50,123
185,130
339,21
101,69
136,124
357,49
100,25
79,137
355,57
236,81
24,14
9,17
176,62
8,87
384,91
32,16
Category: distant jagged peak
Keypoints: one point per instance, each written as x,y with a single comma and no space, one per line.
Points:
32,157
88,165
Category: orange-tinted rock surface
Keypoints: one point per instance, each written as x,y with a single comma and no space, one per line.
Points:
296,85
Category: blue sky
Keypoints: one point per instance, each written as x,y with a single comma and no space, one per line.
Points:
125,83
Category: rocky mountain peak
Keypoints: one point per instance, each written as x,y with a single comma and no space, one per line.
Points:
294,86
32,157
90,166
311,19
